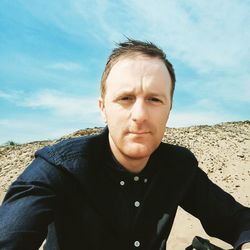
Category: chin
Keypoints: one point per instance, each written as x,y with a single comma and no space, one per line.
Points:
139,152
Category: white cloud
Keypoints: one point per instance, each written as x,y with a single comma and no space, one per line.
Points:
204,34
4,95
232,88
212,37
62,104
64,114
228,88
28,129
67,66
184,119
57,104
9,95
41,127
26,70
4,122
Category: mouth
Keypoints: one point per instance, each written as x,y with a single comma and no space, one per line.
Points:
138,132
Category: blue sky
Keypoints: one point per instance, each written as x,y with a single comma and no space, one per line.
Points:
52,54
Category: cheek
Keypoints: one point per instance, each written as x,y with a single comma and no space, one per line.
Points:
117,116
161,124
165,115
159,119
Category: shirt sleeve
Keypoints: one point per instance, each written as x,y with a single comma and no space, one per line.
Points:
220,214
27,210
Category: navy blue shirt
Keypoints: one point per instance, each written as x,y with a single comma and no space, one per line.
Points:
77,196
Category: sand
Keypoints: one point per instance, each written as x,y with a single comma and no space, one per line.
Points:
223,152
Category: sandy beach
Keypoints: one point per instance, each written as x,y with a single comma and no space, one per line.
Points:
223,152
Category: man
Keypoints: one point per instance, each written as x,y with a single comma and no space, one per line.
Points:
119,189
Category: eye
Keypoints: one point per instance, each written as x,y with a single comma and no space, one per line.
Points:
154,99
126,98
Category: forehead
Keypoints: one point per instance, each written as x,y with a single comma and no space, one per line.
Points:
135,68
135,61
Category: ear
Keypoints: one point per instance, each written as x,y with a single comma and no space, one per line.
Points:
102,109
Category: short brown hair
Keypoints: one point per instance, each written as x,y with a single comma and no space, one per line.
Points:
132,47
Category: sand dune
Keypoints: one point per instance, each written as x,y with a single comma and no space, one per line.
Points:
223,152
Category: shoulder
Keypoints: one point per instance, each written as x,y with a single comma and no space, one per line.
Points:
177,165
65,158
73,149
175,153
176,161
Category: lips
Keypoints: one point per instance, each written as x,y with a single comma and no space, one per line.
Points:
138,132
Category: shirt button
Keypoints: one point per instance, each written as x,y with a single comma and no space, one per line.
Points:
137,203
122,183
136,178
137,243
145,180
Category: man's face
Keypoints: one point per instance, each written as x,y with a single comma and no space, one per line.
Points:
136,106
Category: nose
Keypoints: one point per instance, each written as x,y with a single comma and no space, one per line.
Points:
139,112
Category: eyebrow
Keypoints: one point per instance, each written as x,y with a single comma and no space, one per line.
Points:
123,92
157,95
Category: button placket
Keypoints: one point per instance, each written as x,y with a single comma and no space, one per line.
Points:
136,179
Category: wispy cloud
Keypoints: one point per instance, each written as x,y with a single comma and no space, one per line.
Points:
4,122
200,33
96,20
67,66
56,103
25,71
184,119
49,114
27,129
11,95
6,96
227,89
62,104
